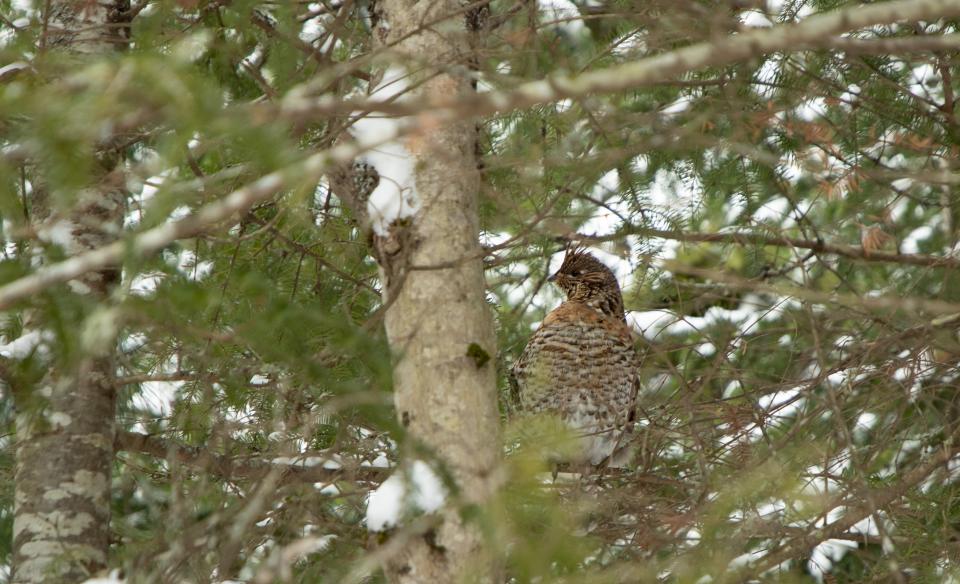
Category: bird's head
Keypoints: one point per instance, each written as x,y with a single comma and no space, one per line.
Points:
586,279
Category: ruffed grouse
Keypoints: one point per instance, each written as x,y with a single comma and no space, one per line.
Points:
581,364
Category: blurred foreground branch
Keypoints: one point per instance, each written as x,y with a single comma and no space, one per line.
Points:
737,48
229,468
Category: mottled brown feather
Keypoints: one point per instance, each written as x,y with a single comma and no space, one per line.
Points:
581,363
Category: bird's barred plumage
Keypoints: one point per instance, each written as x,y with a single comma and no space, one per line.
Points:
581,363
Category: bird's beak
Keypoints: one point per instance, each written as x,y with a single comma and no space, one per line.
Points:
552,278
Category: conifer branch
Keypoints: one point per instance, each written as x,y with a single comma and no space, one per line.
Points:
854,515
153,240
910,305
817,31
818,246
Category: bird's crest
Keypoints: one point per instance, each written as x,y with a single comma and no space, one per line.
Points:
578,260
584,278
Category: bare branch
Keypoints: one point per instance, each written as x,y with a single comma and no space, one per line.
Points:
146,377
883,46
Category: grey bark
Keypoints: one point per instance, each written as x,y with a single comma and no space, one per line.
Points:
438,324
65,425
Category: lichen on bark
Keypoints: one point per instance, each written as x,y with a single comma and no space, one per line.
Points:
65,422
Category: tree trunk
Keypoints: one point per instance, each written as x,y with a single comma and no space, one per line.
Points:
438,323
65,425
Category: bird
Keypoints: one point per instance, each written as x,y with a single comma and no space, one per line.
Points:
581,365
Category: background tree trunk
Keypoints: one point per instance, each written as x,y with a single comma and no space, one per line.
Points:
65,424
438,323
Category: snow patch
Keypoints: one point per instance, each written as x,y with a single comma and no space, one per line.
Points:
309,461
755,19
865,423
766,76
145,284
924,79
192,47
328,489
112,578
60,233
606,220
562,14
60,420
157,397
812,109
911,243
826,554
629,44
733,208
381,461
396,195
417,489
678,106
773,210
188,264
179,213
24,345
